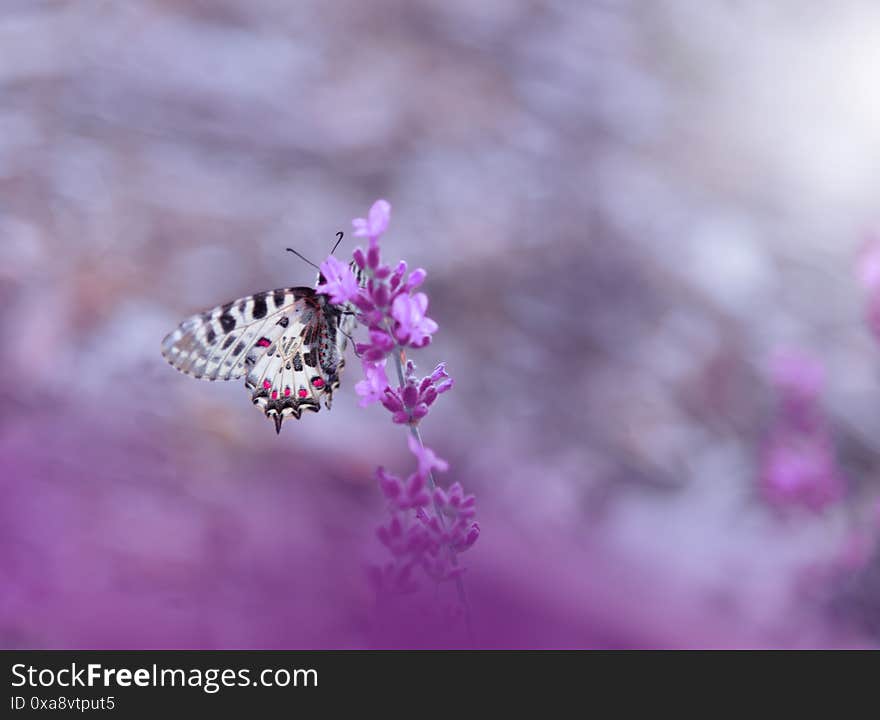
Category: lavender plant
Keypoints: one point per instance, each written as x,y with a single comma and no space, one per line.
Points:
868,271
427,527
799,463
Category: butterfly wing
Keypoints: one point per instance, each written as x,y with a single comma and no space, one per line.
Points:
215,345
303,366
285,342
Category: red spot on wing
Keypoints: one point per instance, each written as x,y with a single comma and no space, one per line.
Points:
274,394
287,392
302,392
318,382
264,342
266,384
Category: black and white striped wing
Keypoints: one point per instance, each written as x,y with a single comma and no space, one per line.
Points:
216,344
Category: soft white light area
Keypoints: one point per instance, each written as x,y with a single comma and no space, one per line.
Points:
786,104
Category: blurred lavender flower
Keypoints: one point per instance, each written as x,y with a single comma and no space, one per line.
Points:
420,539
799,380
461,508
403,495
427,526
868,270
799,465
375,223
801,471
797,374
426,457
854,575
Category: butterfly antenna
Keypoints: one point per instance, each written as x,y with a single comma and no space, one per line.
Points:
339,236
304,258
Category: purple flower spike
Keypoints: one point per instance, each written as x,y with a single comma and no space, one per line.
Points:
372,388
411,403
799,466
427,459
439,373
416,495
426,527
339,281
378,348
472,536
410,396
392,402
801,471
413,327
373,257
375,223
397,276
441,380
390,485
456,494
797,374
429,396
416,278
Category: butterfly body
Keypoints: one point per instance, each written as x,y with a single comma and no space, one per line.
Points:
288,344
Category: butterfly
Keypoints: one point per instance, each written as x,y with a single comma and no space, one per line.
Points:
288,344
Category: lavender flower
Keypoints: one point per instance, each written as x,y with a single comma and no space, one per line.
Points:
868,270
375,223
460,508
378,348
426,458
427,526
374,385
413,326
421,539
798,465
403,495
339,283
800,471
409,402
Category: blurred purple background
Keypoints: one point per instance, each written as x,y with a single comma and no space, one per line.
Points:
626,211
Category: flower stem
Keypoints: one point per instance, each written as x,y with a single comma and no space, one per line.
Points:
399,358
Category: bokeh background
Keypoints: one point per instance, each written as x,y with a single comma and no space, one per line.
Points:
643,225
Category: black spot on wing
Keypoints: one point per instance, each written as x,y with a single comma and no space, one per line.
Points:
238,348
228,341
260,308
278,298
210,336
227,322
284,321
